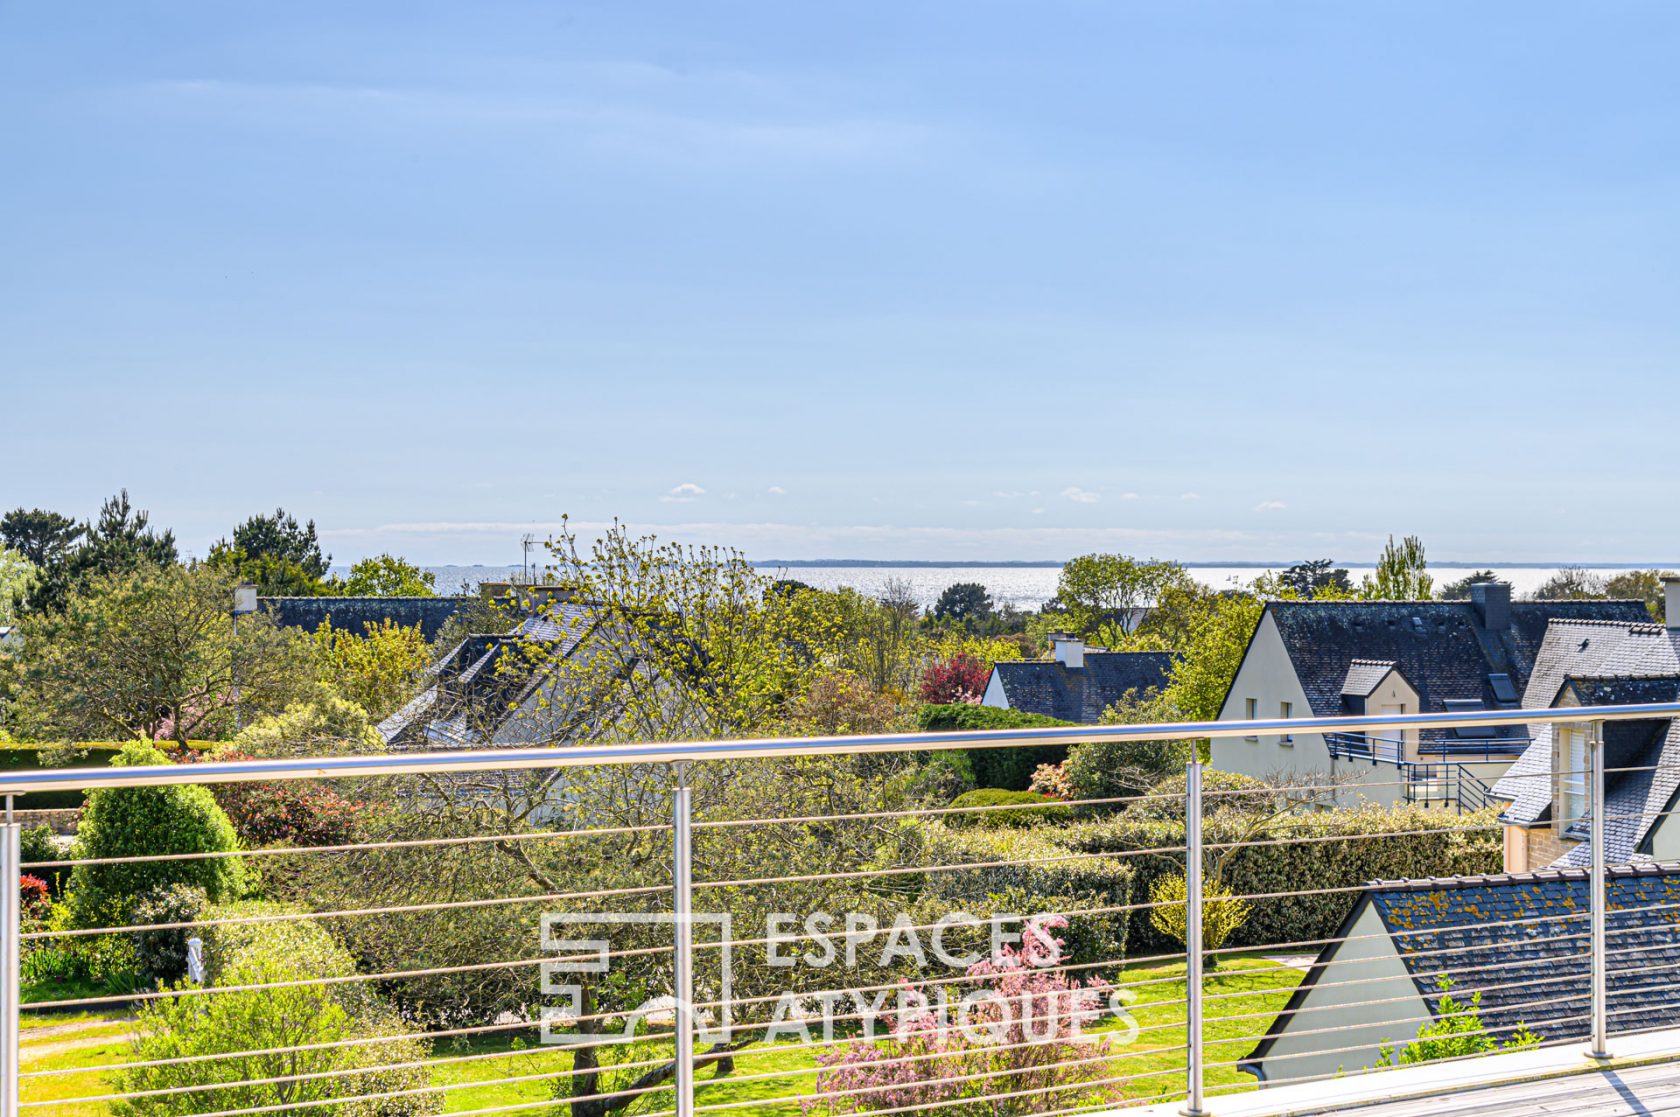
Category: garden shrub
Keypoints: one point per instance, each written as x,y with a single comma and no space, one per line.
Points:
1449,845
1043,878
1166,798
34,898
1222,914
162,953
38,845
138,821
1053,812
324,725
1010,768
286,812
1023,1045
275,1018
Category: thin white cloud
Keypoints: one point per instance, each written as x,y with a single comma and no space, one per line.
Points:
1130,496
1270,506
1190,496
684,493
1080,496
776,490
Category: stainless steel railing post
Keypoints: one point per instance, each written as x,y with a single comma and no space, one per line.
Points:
682,910
11,977
1194,1055
1598,896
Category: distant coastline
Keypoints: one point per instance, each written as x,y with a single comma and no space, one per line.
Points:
1035,564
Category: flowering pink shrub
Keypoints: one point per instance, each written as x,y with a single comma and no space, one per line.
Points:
960,680
1017,1034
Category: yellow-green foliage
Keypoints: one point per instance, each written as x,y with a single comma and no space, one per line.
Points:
1222,913
285,1018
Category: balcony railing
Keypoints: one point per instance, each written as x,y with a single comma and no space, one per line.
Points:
669,967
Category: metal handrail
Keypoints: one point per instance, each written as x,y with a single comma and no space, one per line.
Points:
578,756
1444,774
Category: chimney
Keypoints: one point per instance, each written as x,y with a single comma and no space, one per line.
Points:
1493,604
1069,651
1671,602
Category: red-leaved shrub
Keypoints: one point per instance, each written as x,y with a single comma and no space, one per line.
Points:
299,813
35,895
958,680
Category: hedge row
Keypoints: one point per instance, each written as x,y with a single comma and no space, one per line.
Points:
1007,768
80,754
1339,849
1042,876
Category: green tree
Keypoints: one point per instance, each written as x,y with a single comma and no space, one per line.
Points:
154,653
380,669
17,577
1096,589
124,822
1109,769
1459,588
121,540
389,576
1570,583
1641,585
225,1051
283,558
324,724
66,553
1401,574
1316,578
44,538
964,603
1215,636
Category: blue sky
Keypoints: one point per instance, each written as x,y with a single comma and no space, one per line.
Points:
905,280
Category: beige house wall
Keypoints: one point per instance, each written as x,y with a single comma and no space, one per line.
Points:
1267,676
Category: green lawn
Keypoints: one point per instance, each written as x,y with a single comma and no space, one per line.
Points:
1255,985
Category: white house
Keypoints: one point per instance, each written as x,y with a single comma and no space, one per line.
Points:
1336,658
1545,793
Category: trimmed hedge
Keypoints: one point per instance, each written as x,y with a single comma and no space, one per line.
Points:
1452,845
1007,768
1044,879
76,754
1051,812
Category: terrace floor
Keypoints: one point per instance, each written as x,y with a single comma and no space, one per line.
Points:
1643,1080
1631,1092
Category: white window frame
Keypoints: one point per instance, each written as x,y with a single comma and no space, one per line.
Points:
1253,709
1571,790
1286,710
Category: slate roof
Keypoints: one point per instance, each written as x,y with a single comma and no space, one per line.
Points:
354,613
1081,694
1520,940
1600,665
1364,676
1441,647
482,681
